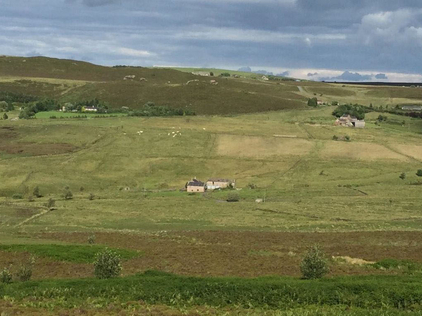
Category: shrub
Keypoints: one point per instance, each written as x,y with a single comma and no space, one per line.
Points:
233,197
91,239
5,117
419,173
313,102
25,270
68,195
107,264
31,198
347,138
6,276
252,186
51,203
402,176
17,196
36,192
352,109
314,265
91,196
335,137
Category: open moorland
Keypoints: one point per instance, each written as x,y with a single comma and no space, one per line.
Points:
127,175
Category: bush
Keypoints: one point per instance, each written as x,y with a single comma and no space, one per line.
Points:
347,138
51,203
6,276
17,196
91,239
314,265
233,197
354,110
36,192
91,196
252,186
419,173
68,195
107,264
313,102
335,137
5,117
402,176
25,270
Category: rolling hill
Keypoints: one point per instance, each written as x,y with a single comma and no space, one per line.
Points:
69,81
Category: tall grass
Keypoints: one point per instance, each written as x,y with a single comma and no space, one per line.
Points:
402,293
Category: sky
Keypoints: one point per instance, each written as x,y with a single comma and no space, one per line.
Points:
342,40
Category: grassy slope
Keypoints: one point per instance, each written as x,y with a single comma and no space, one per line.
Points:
305,176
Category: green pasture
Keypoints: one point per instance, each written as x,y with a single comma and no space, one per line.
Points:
136,167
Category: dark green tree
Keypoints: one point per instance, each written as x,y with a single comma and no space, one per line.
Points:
313,102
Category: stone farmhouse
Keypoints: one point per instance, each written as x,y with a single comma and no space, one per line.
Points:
195,186
350,121
213,184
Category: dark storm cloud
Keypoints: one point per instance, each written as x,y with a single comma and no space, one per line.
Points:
374,36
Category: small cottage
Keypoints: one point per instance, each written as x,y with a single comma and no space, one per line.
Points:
350,121
213,184
195,186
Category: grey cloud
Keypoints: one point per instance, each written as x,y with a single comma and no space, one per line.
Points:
349,76
312,74
245,69
381,76
284,74
264,72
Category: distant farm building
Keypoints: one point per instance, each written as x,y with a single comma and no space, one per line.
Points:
89,109
201,73
213,184
350,121
411,108
195,186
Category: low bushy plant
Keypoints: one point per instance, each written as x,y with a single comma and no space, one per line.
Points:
68,195
6,276
51,203
25,270
107,264
91,239
233,197
17,196
314,264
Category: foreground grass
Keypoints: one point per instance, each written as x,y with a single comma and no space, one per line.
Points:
268,293
70,253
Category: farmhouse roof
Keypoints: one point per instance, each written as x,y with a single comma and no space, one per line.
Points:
219,180
195,183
